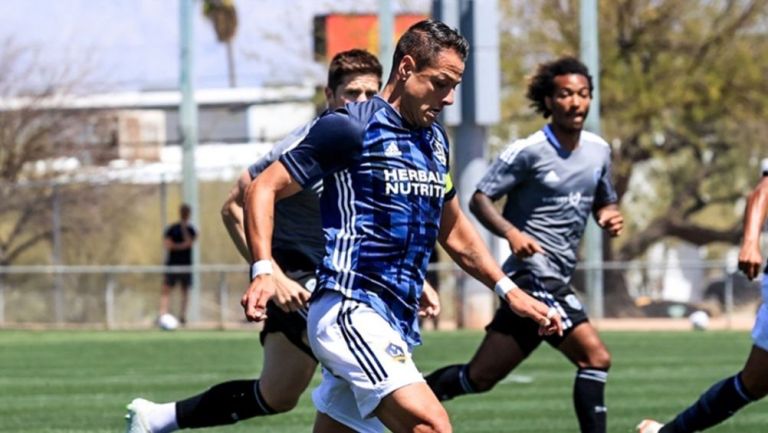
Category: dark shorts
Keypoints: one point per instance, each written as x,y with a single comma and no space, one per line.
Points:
185,279
293,325
550,291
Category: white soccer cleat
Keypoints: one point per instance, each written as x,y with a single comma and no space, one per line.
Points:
649,426
136,418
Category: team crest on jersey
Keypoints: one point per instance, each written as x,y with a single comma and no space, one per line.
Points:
396,352
311,284
574,198
439,151
574,302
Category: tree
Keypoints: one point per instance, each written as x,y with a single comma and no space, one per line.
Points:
223,17
41,141
682,105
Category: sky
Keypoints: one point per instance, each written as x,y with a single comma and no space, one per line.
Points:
133,44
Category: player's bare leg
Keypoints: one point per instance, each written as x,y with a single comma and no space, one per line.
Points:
488,366
586,350
413,408
286,373
165,296
184,303
326,424
755,373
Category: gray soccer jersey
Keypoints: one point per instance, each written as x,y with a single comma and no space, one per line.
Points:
550,194
297,218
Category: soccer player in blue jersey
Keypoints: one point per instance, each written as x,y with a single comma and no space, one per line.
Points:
553,181
387,197
726,397
297,248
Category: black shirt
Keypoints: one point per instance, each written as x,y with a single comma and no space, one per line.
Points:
179,257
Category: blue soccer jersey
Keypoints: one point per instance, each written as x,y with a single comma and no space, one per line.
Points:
384,185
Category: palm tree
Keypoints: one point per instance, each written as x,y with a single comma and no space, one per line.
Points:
223,16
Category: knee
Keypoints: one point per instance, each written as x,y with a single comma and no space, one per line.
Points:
483,381
598,359
282,403
437,424
756,387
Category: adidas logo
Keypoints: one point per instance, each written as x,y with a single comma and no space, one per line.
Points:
392,150
551,177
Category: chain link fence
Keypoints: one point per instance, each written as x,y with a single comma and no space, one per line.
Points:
127,297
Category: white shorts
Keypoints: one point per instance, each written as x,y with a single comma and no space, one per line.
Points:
364,359
760,331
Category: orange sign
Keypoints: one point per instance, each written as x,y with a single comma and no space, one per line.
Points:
336,33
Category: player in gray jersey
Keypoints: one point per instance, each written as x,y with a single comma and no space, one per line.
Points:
553,181
289,364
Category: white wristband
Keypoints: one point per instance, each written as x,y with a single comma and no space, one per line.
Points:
261,267
504,286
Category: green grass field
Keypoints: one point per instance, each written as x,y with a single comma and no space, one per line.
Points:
81,381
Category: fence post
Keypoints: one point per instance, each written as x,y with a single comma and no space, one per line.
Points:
728,298
223,299
109,301
58,283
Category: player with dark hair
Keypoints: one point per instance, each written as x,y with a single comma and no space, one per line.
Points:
553,181
178,240
297,248
728,396
387,197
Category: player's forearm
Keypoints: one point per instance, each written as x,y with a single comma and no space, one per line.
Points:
477,262
483,209
755,213
465,246
259,220
232,215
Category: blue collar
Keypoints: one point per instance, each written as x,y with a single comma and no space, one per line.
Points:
552,137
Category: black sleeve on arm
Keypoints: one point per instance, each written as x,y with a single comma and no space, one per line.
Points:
332,144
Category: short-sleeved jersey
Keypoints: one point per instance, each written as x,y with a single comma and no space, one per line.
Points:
297,218
550,194
175,234
384,185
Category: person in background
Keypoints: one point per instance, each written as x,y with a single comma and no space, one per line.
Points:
178,240
553,180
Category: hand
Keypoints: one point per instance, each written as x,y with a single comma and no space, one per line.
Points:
611,220
523,245
750,261
429,303
254,300
525,305
289,295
